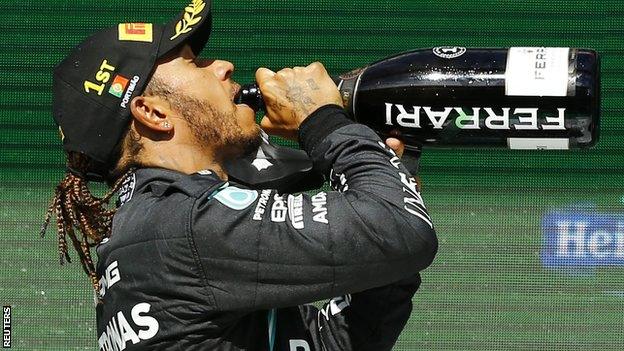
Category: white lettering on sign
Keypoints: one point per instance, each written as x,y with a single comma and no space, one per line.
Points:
575,239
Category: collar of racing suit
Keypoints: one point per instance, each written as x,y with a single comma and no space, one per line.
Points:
159,181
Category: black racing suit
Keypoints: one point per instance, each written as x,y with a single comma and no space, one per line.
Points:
195,263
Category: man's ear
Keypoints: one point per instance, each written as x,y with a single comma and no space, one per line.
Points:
152,112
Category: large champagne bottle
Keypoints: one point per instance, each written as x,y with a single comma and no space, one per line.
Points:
518,98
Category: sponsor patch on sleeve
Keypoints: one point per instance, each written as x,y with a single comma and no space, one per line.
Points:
236,198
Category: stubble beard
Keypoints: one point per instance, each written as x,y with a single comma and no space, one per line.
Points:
219,130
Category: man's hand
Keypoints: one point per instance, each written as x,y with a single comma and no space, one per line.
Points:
399,147
292,94
396,145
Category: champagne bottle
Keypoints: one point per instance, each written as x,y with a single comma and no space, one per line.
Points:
518,98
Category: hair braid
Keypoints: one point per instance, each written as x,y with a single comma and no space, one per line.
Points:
48,215
62,239
89,263
79,212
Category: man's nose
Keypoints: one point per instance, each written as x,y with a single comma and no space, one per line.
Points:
222,69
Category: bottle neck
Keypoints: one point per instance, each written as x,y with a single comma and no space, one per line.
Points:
250,95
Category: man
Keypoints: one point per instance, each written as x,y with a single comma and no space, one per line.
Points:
189,261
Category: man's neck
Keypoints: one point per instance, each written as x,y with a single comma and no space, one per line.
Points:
186,159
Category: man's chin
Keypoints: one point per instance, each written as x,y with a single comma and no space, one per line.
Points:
245,146
251,146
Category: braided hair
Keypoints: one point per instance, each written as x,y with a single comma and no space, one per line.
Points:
87,219
80,215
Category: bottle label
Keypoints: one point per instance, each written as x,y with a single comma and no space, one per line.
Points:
537,71
538,143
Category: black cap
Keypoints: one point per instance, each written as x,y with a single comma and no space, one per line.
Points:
94,85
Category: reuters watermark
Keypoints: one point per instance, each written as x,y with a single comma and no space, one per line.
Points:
6,327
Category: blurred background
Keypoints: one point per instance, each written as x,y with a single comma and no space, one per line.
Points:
531,243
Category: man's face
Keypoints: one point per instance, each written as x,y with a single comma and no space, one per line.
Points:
203,93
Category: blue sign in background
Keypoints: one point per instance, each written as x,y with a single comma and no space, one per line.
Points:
582,239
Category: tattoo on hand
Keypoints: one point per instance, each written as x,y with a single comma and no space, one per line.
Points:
312,84
276,106
296,95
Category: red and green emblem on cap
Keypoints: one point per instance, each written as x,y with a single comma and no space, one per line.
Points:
118,86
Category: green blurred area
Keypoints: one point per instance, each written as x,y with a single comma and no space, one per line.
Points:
487,289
